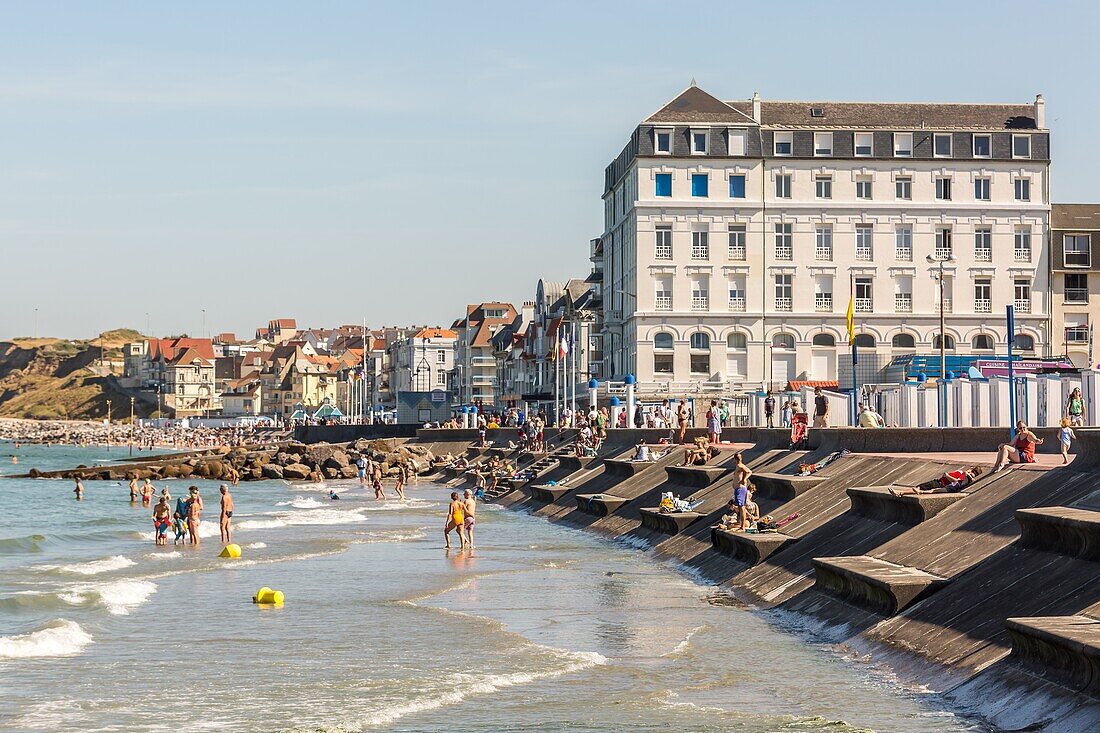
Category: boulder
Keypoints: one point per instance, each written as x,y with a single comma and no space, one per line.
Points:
348,472
318,454
34,473
416,449
283,458
170,471
185,470
296,471
337,460
254,475
272,470
331,472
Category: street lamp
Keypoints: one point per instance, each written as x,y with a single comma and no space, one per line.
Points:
108,425
131,426
935,260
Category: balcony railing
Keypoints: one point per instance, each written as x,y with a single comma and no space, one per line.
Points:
983,254
903,302
783,252
663,252
737,252
943,253
865,254
1023,254
1077,295
1077,335
946,306
825,254
663,303
864,305
700,252
700,302
823,303
903,254
983,305
783,304
1022,306
737,304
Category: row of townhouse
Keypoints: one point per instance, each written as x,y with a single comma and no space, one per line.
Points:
736,233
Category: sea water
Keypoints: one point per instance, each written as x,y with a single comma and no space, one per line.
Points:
540,628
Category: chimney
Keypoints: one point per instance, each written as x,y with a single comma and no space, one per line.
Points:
756,107
1040,112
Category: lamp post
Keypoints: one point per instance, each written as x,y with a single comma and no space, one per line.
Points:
131,426
938,260
108,425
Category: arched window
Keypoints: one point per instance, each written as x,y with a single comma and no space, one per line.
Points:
736,342
903,341
982,342
865,341
824,339
783,341
1023,342
700,341
949,342
662,341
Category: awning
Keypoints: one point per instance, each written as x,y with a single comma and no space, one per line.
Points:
796,385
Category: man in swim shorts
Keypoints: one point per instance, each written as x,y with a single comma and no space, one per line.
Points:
361,469
160,521
227,513
469,506
456,520
133,490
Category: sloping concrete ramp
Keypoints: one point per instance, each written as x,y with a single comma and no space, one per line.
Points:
695,476
781,487
599,505
668,522
877,585
751,548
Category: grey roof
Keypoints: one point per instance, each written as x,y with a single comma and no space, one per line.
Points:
1075,216
895,115
695,105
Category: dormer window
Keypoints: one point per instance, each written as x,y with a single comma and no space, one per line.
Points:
1021,146
941,145
864,144
784,143
662,142
823,143
983,146
736,140
903,145
698,142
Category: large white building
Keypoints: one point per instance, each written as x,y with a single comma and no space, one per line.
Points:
735,233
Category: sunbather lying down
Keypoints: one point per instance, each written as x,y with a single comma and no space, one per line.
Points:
673,504
948,482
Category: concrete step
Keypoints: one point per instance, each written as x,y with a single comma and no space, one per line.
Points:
752,548
695,476
877,585
549,494
625,467
575,463
781,487
1065,649
599,505
1061,529
876,502
668,522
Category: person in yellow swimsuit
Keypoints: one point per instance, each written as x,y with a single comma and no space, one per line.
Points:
456,519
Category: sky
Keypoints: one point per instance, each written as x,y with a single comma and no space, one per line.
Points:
334,162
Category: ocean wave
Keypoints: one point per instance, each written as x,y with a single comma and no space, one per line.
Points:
396,535
392,505
256,545
165,555
95,567
18,545
466,685
324,516
59,638
302,502
206,529
248,524
120,597
685,641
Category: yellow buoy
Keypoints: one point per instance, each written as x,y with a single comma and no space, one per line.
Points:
232,550
267,596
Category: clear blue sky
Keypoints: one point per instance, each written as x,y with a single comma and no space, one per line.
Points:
393,161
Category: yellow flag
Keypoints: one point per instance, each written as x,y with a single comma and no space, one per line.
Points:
851,320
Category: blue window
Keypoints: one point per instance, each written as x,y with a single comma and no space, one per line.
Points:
699,184
664,184
737,187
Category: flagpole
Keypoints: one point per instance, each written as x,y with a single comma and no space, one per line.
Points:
852,342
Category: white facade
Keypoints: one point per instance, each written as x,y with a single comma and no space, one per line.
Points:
423,361
748,282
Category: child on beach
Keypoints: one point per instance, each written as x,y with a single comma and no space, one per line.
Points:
1065,436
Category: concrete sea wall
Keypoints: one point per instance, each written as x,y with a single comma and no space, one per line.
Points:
989,595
